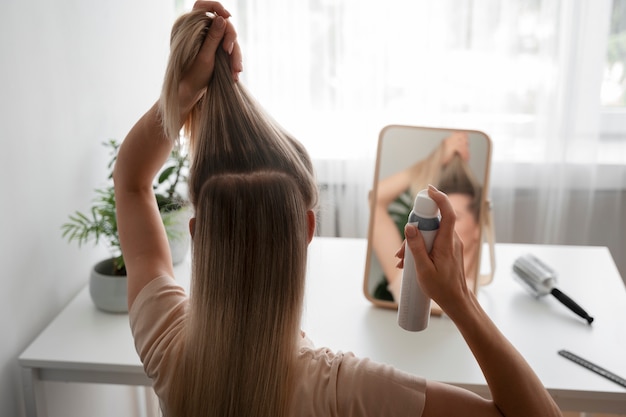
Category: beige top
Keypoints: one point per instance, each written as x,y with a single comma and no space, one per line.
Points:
333,384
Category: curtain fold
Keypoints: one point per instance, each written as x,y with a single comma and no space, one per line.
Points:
573,192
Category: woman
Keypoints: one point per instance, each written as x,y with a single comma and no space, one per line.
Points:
234,346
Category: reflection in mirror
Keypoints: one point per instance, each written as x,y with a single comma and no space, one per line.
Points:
409,158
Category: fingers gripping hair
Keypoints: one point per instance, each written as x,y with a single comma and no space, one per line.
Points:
187,37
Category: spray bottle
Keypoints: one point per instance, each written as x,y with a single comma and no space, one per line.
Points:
414,306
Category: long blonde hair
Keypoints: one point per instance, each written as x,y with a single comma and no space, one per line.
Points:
251,185
457,177
229,131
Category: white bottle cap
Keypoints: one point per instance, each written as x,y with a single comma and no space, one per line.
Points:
424,206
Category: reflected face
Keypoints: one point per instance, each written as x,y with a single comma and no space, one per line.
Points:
466,225
468,229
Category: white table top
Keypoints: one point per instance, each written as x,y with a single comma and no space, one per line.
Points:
84,342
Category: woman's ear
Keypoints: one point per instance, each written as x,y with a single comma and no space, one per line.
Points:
310,217
192,225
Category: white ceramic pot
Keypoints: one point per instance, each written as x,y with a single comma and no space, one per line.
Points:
107,291
177,227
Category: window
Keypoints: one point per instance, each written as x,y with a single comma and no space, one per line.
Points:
530,73
614,83
613,120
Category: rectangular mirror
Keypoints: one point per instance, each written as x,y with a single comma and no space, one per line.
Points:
408,159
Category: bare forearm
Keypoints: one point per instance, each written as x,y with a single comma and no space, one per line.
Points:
515,388
142,153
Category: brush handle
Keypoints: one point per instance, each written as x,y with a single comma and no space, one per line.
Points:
571,304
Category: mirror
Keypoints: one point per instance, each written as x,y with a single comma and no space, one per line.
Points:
408,159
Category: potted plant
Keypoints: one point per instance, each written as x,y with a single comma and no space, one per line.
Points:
173,206
100,224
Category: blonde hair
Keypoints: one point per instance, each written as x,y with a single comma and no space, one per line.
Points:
251,185
228,130
456,177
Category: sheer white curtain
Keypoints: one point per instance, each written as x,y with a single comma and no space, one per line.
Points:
563,181
527,72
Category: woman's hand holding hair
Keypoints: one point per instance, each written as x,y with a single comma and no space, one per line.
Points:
222,31
222,34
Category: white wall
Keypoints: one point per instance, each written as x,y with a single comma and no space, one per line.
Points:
72,74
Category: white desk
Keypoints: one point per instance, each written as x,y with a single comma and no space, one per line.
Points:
84,345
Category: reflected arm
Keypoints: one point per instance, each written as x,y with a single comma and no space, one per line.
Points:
385,236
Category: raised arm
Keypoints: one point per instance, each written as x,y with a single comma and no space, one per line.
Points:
515,388
143,152
386,237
